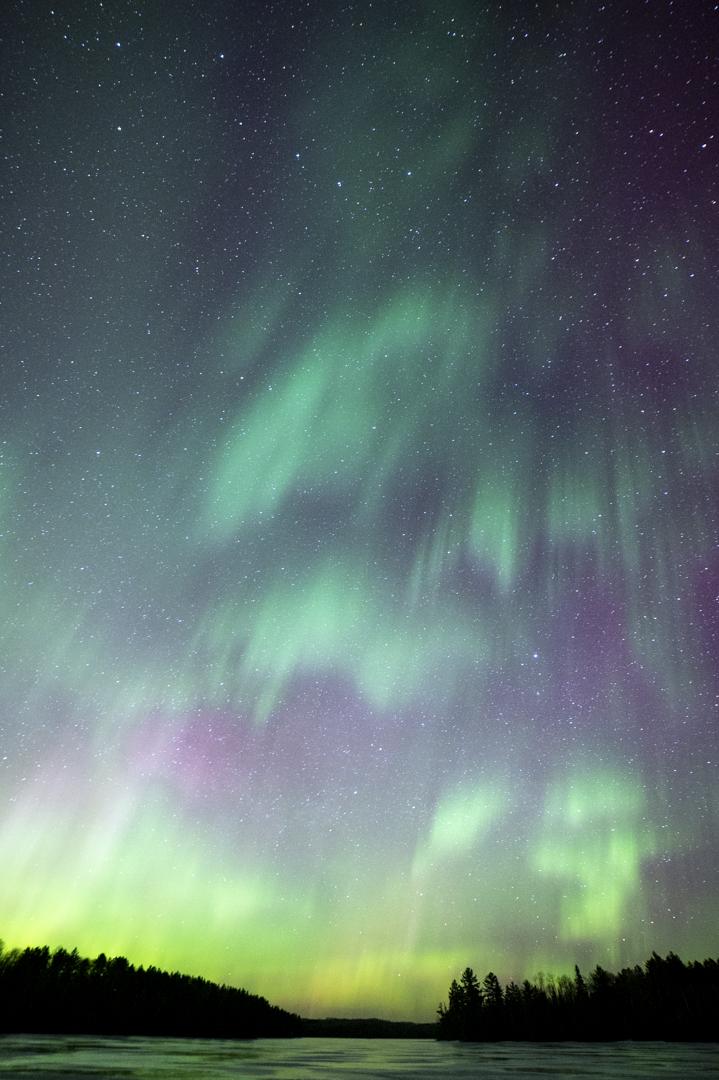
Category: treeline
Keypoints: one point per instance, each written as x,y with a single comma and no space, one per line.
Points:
63,992
331,1027
664,999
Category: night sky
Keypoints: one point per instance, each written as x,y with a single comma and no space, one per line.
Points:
359,502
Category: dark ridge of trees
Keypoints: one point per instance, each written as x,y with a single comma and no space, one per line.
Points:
332,1027
63,992
665,999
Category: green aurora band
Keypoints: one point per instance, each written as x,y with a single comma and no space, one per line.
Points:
358,499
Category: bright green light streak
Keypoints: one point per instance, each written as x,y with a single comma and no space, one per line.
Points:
503,499
437,554
495,532
461,820
336,618
594,841
349,408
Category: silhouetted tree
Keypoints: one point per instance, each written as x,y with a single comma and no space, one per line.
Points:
461,1018
64,992
492,991
666,999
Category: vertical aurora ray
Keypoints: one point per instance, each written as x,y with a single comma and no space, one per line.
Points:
358,494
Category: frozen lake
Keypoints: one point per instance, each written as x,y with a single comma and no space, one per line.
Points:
51,1057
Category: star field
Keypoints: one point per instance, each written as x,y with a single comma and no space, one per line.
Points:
359,564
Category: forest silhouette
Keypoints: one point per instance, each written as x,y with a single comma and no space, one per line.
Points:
62,992
56,991
665,999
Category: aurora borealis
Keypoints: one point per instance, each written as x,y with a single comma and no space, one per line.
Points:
359,561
